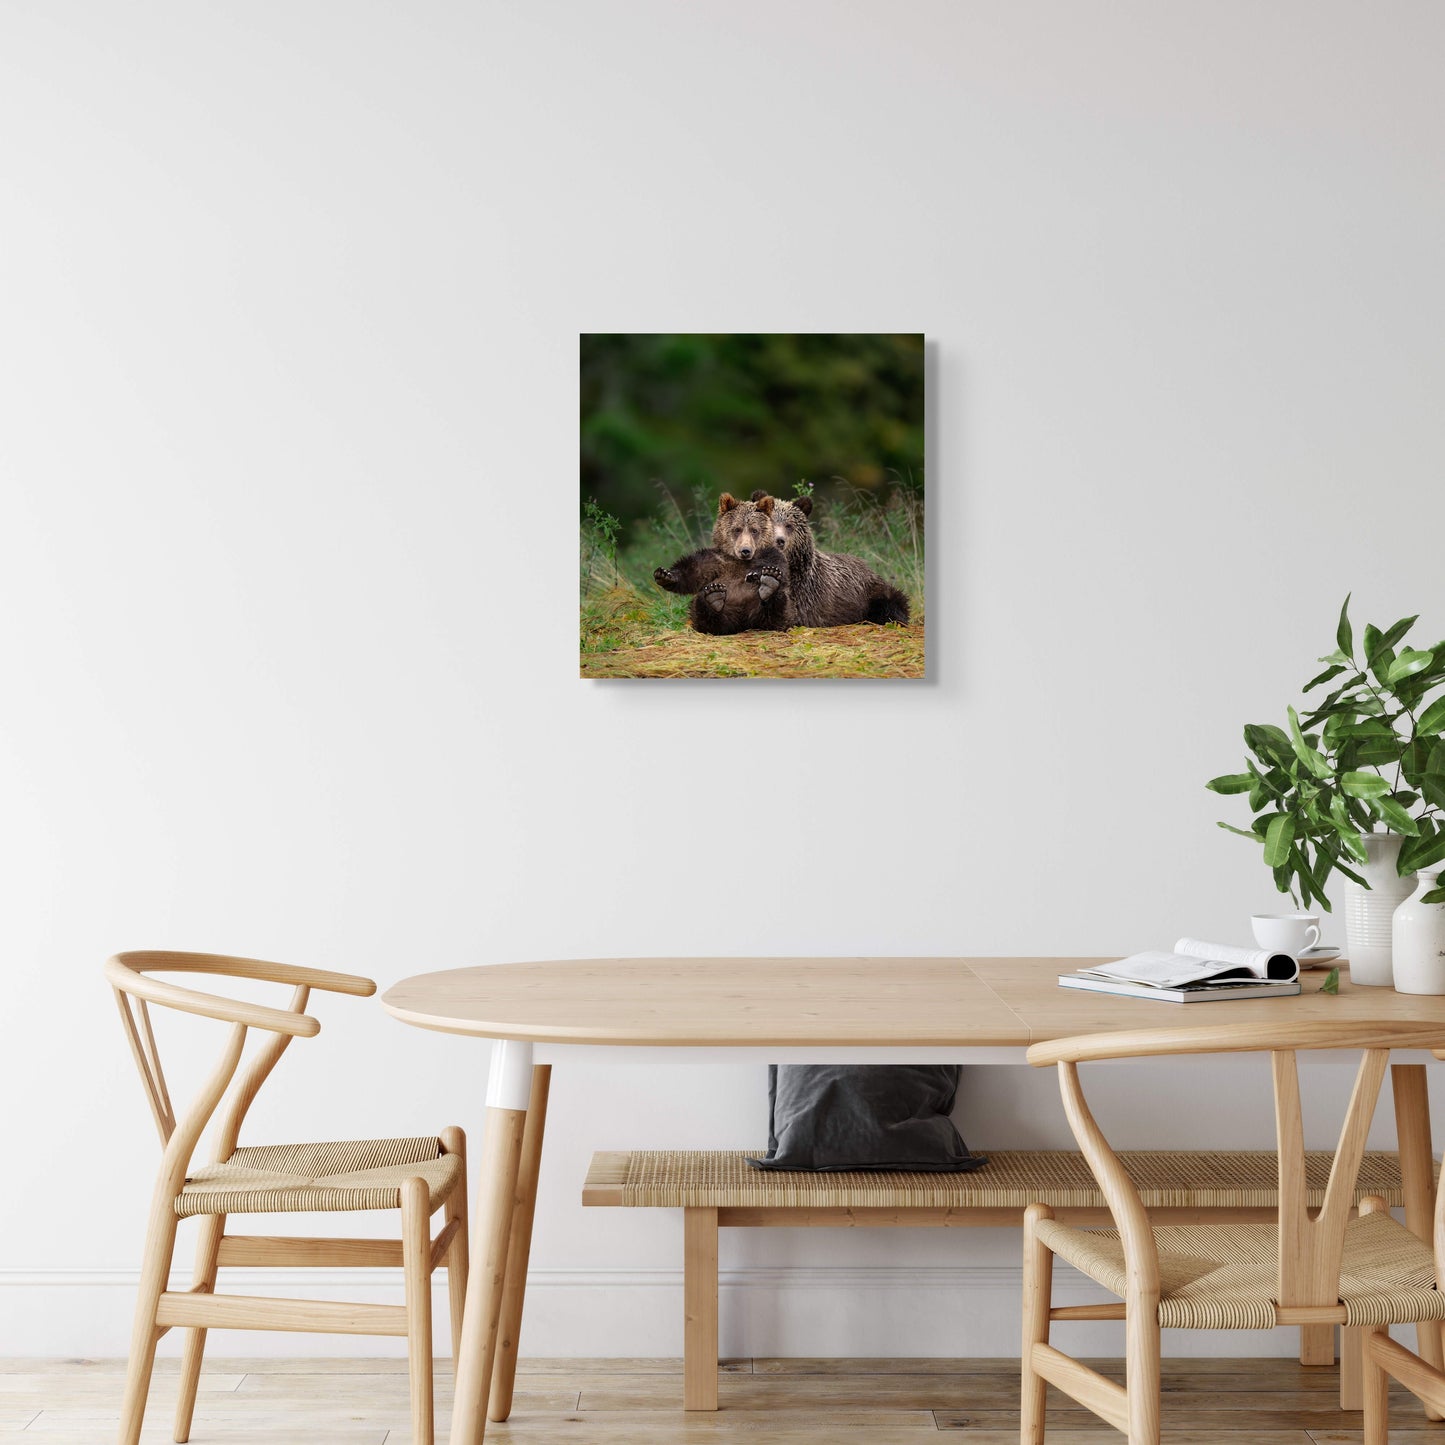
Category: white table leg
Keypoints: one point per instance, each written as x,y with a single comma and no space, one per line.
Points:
508,1089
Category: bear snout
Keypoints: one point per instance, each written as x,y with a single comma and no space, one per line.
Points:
745,551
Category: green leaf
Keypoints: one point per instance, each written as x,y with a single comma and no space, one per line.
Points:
1350,873
1421,853
1390,638
1434,791
1332,979
1415,760
1320,877
1268,742
1364,785
1259,788
1230,828
1230,783
1344,633
1333,671
1277,840
1408,664
1395,817
1349,834
1435,895
1313,760
1432,720
1378,654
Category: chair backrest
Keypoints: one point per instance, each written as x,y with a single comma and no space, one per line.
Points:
135,990
1309,1248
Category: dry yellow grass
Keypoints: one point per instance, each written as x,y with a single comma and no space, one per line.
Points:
863,650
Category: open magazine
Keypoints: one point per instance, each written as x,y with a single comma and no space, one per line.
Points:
1195,962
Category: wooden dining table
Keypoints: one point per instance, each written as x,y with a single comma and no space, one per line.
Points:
793,1010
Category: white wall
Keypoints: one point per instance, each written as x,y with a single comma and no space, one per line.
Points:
287,631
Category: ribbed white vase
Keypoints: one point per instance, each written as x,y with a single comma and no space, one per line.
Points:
1369,912
1419,940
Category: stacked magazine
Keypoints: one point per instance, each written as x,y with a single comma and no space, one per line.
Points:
1196,972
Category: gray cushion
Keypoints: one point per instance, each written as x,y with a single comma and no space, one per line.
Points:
864,1116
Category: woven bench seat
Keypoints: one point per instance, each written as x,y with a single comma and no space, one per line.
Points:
1011,1180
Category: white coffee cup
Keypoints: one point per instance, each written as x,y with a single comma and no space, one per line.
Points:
1290,933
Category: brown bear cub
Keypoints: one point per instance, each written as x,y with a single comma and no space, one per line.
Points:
827,589
740,582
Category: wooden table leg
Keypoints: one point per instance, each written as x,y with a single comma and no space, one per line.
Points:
519,1249
508,1091
1417,1174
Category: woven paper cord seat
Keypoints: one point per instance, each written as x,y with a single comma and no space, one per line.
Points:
348,1174
696,1178
1225,1276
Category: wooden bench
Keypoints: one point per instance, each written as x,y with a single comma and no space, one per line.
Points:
719,1190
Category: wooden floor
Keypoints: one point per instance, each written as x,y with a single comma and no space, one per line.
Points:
764,1402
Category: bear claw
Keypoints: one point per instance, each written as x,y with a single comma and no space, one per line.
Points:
666,578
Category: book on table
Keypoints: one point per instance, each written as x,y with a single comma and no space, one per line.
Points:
1195,972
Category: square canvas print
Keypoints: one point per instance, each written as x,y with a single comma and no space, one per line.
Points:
752,505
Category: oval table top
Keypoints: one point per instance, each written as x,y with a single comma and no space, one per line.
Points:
809,1002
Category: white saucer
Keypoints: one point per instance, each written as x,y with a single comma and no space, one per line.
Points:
1318,956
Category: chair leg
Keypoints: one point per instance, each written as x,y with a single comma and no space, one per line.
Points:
699,1289
416,1264
208,1246
154,1273
1141,1368
1376,1386
1417,1178
1038,1294
455,1142
1317,1344
1352,1383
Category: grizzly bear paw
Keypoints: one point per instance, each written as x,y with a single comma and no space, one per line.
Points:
668,579
714,596
769,579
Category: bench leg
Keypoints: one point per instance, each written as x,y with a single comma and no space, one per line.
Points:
699,1290
1417,1176
1317,1344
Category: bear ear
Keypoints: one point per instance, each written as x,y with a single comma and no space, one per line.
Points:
726,503
758,495
804,505
765,503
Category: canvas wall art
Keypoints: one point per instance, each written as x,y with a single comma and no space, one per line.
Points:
752,505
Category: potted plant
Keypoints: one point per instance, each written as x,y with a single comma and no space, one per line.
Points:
1356,786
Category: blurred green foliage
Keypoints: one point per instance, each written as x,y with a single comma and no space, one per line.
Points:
714,413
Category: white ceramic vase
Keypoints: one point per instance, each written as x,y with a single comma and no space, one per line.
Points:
1418,936
1369,912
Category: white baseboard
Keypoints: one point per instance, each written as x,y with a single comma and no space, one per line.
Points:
822,1311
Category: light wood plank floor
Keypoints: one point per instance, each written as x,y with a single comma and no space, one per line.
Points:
638,1402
